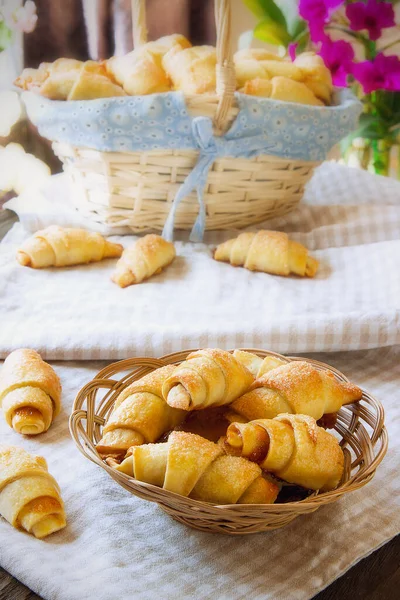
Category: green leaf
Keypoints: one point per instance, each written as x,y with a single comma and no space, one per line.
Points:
267,9
5,36
366,125
298,28
272,33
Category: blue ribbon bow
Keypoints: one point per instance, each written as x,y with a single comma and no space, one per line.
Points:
210,148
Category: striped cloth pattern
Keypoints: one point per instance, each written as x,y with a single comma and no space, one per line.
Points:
350,221
118,546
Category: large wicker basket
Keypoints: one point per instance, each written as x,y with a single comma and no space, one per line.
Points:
360,427
136,189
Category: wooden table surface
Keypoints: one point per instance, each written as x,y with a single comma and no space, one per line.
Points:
377,577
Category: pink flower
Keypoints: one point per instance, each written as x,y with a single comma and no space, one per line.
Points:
338,57
292,50
383,73
317,13
372,16
24,19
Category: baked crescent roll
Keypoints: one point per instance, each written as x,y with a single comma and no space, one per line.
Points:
148,256
140,415
30,392
194,467
267,251
92,82
296,387
206,378
33,79
191,70
61,247
316,75
256,365
255,54
291,447
29,496
141,72
282,88
249,69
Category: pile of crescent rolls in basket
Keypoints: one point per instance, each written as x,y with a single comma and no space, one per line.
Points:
172,63
219,427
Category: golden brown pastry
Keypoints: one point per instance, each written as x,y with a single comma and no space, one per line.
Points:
141,72
194,467
92,82
30,392
140,415
32,79
191,70
256,365
256,54
291,447
209,377
316,75
61,247
282,88
29,496
148,256
296,387
269,252
249,69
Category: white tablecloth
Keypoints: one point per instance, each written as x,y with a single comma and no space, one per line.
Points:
350,221
117,546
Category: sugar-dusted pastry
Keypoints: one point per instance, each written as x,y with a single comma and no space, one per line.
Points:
195,467
140,415
296,387
291,447
316,76
269,252
60,247
256,365
209,377
191,70
30,392
148,256
29,496
92,82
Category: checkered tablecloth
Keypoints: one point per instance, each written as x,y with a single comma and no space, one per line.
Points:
350,221
117,546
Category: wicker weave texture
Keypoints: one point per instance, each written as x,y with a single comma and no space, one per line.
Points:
137,189
360,426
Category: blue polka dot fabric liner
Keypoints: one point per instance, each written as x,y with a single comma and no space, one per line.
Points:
161,121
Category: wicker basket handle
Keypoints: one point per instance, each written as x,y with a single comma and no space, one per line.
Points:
225,72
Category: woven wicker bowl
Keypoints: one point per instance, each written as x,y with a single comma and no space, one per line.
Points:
360,426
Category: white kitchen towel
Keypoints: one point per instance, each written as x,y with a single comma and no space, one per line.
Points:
352,303
117,546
